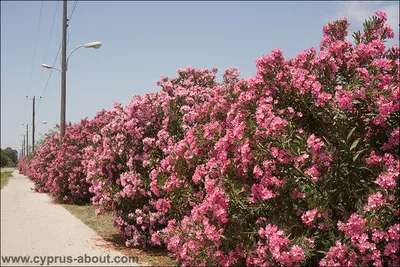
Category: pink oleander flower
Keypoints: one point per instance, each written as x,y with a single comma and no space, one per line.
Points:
308,217
344,99
314,173
355,225
374,201
381,15
315,144
387,180
297,194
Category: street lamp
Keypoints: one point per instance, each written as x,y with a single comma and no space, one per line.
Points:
95,45
50,67
63,71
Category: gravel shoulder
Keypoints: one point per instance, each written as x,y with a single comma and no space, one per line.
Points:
33,226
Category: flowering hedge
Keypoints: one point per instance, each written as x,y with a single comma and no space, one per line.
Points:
297,164
59,171
130,148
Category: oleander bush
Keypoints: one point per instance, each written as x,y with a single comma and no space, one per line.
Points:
59,170
296,165
132,146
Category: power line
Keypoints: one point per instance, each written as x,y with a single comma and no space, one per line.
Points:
34,52
48,79
55,60
69,19
51,33
73,9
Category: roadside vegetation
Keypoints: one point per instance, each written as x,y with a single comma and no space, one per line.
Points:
5,176
297,165
102,224
8,157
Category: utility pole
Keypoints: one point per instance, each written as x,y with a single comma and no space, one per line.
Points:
27,143
33,122
23,147
63,71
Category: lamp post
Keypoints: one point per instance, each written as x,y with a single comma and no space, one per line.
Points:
63,72
95,45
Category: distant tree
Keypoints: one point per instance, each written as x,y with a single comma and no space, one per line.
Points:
4,159
11,155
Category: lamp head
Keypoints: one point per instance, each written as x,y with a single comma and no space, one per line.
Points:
47,66
93,45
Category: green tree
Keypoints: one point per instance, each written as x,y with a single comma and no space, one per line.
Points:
11,155
4,159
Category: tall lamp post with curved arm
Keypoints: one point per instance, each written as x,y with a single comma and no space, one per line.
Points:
63,72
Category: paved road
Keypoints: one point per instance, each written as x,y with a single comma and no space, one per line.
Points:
32,226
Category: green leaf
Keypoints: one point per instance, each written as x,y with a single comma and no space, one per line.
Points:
358,154
351,132
355,143
365,168
299,137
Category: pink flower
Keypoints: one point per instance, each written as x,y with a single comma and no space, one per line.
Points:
297,194
393,141
381,15
308,242
354,227
344,99
392,249
309,216
393,232
99,211
211,233
296,253
257,171
314,173
387,180
314,143
374,201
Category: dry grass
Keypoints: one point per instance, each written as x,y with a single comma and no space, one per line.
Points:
103,225
4,177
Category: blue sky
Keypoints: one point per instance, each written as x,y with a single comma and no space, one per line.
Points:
143,41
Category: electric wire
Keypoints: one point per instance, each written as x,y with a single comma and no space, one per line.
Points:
72,12
34,51
51,33
48,79
55,60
